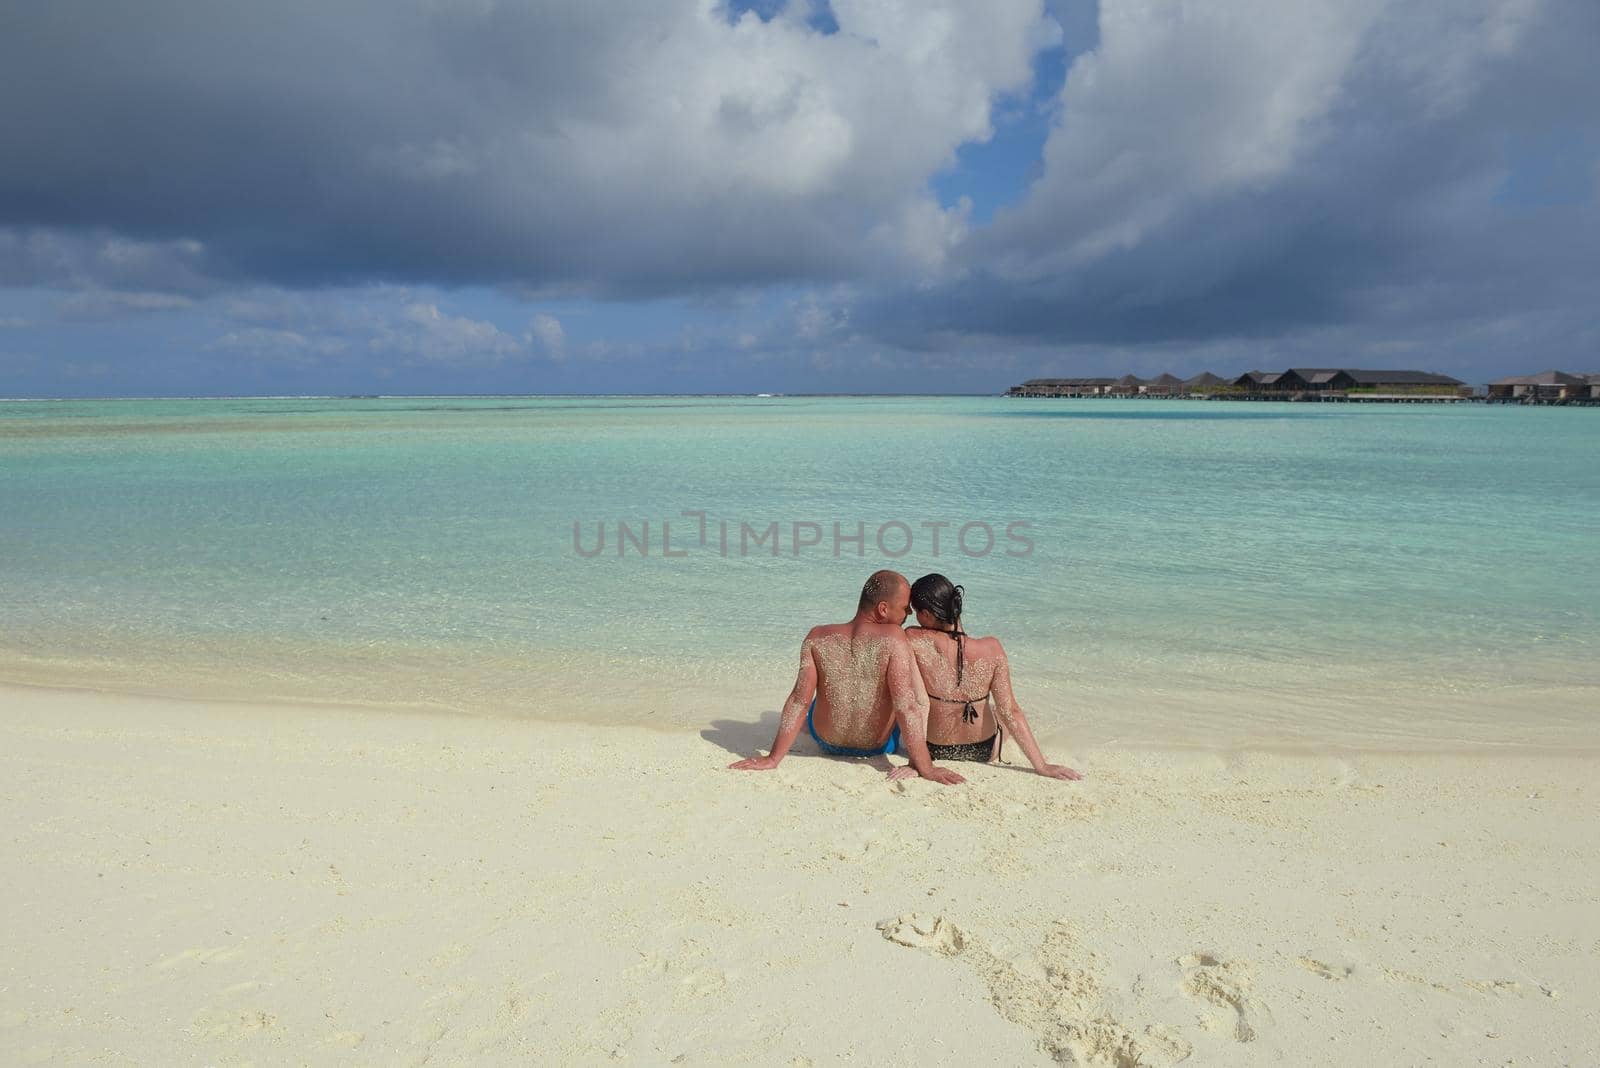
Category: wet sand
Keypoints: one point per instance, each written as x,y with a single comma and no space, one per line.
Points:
227,883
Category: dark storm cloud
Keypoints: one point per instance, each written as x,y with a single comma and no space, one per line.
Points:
1358,169
645,145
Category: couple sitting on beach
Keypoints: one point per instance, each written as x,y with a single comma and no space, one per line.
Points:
869,687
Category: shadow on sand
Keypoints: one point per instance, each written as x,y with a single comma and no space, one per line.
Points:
747,738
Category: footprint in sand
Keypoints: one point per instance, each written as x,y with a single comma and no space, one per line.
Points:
695,978
229,1023
1394,976
219,955
1503,987
702,982
1493,987
1063,1008
1333,972
1225,984
932,933
428,1034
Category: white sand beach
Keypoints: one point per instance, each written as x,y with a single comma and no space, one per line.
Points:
215,883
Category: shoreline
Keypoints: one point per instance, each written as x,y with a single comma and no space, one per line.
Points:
1053,733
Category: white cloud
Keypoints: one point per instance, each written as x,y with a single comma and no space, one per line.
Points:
287,346
546,330
424,334
1182,105
379,322
1180,102
99,304
818,317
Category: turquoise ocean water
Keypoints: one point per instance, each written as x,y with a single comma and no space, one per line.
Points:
1190,572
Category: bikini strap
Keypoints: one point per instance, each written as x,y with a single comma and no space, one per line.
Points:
999,743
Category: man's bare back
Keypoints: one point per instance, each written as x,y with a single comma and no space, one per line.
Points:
855,704
864,680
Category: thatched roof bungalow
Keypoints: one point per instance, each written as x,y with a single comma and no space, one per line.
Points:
1060,387
1330,379
1163,385
1205,382
1546,385
1401,381
1257,381
1315,379
1307,383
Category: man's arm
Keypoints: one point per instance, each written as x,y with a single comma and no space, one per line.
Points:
794,713
912,714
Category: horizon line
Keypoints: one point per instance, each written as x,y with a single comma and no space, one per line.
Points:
428,396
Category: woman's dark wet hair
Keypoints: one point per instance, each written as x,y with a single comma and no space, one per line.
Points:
937,595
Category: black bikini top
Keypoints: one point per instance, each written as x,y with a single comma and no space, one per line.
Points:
969,709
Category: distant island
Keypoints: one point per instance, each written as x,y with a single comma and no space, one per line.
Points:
1328,384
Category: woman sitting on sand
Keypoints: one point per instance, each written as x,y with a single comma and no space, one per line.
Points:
963,674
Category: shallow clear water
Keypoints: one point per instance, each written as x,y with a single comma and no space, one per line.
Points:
1199,572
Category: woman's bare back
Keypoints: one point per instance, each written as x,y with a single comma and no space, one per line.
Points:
936,659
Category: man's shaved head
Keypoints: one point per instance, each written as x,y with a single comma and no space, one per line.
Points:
881,587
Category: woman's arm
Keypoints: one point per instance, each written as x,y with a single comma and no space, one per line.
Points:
911,712
1011,717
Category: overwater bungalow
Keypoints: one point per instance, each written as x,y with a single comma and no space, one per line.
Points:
1317,384
1126,386
1061,387
1546,386
1087,387
1163,385
1314,379
1257,381
1205,382
1337,381
1400,382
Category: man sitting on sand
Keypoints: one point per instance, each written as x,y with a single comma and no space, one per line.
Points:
858,687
